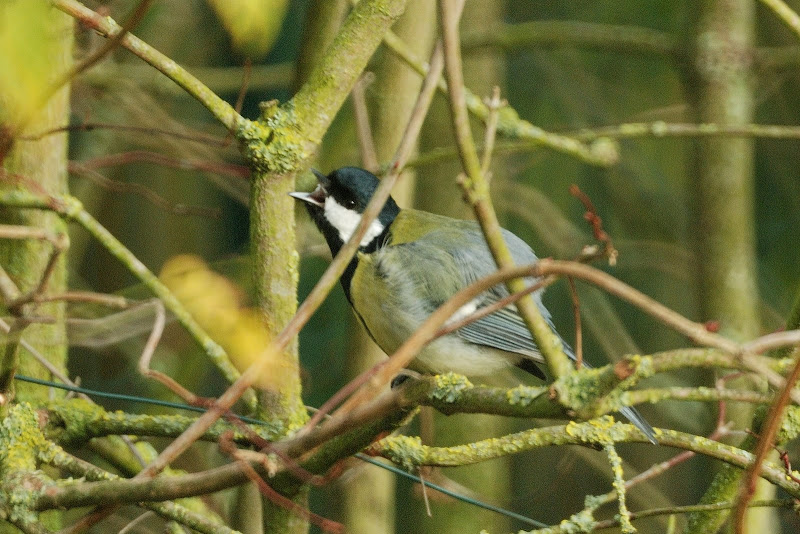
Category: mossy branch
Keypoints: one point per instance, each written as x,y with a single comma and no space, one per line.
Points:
410,453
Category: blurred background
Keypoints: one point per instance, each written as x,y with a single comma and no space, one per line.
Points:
567,67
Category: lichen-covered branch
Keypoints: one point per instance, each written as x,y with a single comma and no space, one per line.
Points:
410,453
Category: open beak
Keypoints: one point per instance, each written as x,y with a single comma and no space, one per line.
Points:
317,196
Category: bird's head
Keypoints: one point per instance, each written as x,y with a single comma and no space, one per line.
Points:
339,200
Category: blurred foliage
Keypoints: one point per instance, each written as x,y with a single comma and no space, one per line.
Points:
644,202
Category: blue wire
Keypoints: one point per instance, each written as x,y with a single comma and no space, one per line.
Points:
363,457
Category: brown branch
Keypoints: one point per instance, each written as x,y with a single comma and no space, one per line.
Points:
227,446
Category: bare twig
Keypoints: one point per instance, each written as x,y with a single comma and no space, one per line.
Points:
785,13
765,443
103,299
477,191
493,104
76,69
147,354
369,157
106,26
591,216
452,326
59,241
576,312
772,341
134,156
197,137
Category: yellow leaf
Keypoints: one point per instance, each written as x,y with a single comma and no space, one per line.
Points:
216,304
252,24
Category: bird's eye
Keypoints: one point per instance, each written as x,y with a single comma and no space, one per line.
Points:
350,203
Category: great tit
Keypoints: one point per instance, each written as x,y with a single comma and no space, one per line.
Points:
409,263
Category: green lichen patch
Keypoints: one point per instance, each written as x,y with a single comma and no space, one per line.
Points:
524,395
583,521
273,144
642,365
450,386
20,439
581,388
406,451
21,445
603,430
790,425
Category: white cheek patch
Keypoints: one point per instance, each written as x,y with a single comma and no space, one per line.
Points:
346,221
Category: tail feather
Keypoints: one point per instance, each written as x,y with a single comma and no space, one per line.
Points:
639,422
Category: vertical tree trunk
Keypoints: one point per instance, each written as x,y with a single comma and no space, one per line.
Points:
725,222
275,266
42,164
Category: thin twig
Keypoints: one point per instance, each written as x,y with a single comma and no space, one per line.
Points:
672,129
493,104
227,446
107,47
59,242
144,192
576,312
369,157
135,521
603,154
765,443
452,326
150,348
76,69
103,299
197,137
772,341
785,13
72,209
107,27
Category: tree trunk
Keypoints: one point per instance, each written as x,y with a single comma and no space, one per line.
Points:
724,213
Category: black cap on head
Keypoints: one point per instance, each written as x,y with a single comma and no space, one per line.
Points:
351,189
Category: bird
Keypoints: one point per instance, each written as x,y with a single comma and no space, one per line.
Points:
409,263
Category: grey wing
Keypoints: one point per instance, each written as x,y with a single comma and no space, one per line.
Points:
503,329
